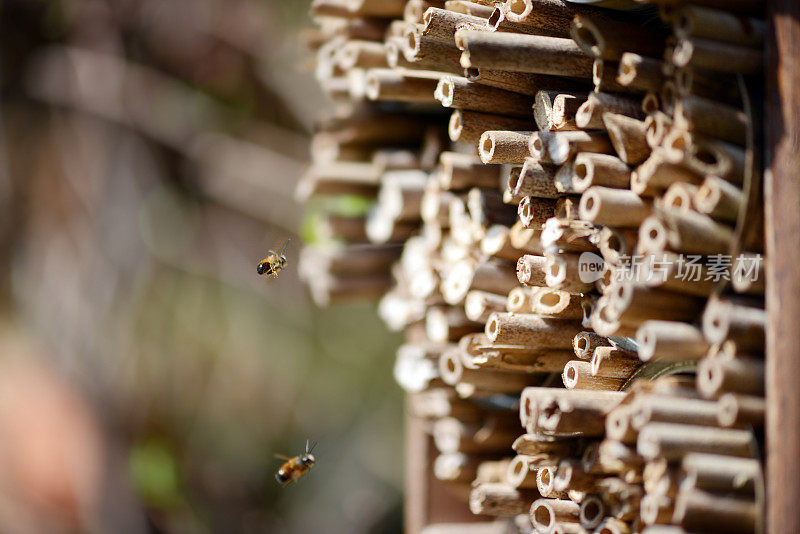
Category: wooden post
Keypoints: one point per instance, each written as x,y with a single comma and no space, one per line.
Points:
782,190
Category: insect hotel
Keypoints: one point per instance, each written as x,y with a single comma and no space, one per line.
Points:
568,212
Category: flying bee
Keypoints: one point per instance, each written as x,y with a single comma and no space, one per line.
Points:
273,262
294,468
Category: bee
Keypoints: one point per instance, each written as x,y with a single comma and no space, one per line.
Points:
294,468
273,262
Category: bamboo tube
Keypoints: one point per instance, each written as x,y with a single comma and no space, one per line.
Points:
571,476
525,83
377,8
559,304
528,414
604,77
496,243
366,29
456,466
441,402
490,276
578,375
634,304
558,147
520,299
656,509
670,341
548,17
463,171
527,239
492,472
545,513
401,192
614,363
362,54
699,510
330,8
451,435
616,244
468,126
592,512
716,376
424,52
469,8
612,525
725,319
585,343
534,180
563,272
498,21
705,156
715,86
478,305
616,457
469,346
658,173
673,409
436,205
565,176
657,125
590,114
501,146
707,117
719,25
575,413
672,441
521,474
568,234
402,86
739,411
640,72
613,207
447,324
719,199
697,53
523,53
695,233
486,207
599,169
457,92
713,472
441,24
555,110
533,212
618,425
530,271
525,329
605,38
678,196
499,500
533,444
545,477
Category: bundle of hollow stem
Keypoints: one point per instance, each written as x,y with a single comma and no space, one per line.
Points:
565,200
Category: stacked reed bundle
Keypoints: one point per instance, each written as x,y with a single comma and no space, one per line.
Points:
577,139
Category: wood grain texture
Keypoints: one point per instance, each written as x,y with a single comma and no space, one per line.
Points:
783,269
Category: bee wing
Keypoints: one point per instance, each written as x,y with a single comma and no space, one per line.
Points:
281,457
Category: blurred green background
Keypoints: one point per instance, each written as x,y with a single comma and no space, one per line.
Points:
148,158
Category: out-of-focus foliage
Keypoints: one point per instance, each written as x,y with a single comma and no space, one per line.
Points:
148,155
